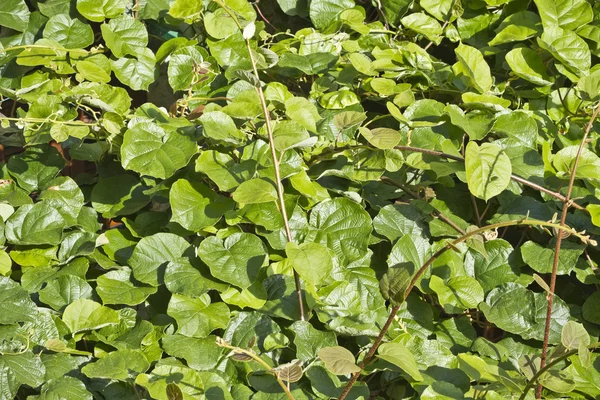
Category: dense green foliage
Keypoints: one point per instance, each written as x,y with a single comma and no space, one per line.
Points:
173,170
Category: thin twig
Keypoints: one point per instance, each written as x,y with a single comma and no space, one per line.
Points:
474,202
514,177
452,245
443,27
559,237
278,183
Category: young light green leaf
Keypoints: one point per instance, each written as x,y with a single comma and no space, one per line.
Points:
312,261
488,170
382,138
338,360
573,335
255,191
84,314
472,65
15,14
401,357
99,10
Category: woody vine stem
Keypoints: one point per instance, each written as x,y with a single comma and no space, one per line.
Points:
567,203
394,310
269,128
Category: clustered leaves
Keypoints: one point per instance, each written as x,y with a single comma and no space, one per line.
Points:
145,248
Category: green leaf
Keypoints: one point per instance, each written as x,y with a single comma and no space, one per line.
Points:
236,260
568,48
184,67
20,369
302,111
125,36
197,317
219,24
36,166
121,194
289,134
65,387
137,73
567,14
64,194
311,261
472,65
122,365
324,12
184,9
528,64
458,293
574,335
154,150
587,168
517,27
63,290
98,11
220,126
223,171
181,277
195,206
423,24
488,170
497,268
591,308
84,315
38,223
309,341
18,305
515,309
540,258
255,191
400,356
338,360
15,14
397,220
71,33
199,354
115,287
343,226
382,138
151,255
589,86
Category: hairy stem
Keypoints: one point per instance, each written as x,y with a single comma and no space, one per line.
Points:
427,264
559,237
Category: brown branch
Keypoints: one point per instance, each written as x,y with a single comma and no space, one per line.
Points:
563,218
451,245
514,177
